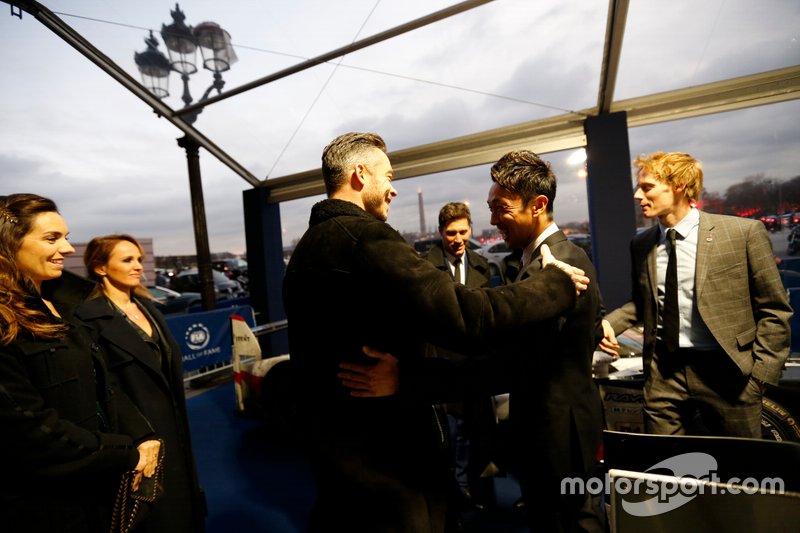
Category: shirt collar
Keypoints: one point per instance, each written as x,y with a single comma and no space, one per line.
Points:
683,227
451,258
528,252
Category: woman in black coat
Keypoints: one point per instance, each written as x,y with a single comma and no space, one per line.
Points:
67,435
145,357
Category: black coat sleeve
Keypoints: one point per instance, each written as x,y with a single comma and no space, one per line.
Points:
48,412
448,314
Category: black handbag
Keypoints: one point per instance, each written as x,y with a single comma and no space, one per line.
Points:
131,508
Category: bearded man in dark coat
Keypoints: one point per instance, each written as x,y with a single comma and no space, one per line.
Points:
381,463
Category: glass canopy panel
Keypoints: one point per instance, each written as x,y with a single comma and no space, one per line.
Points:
495,65
90,138
682,43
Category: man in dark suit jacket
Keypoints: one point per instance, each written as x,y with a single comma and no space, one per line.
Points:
472,421
353,282
730,334
554,404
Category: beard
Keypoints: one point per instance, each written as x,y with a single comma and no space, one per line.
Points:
375,205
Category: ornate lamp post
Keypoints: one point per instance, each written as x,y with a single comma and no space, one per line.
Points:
182,42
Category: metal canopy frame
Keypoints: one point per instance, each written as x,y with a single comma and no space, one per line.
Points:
565,131
544,135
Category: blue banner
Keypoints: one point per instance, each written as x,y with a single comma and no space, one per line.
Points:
205,338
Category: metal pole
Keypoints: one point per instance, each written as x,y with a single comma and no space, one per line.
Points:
199,217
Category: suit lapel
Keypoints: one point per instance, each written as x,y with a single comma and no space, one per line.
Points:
475,277
122,335
648,248
536,257
523,274
705,251
438,258
119,333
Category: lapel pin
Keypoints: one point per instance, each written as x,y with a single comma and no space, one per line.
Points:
709,238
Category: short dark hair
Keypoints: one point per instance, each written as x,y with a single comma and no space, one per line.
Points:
342,153
453,211
526,174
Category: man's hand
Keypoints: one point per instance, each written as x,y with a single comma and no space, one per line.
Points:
578,276
609,344
372,381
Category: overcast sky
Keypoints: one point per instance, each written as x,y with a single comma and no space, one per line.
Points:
73,134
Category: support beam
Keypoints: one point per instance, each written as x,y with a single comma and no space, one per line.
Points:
76,40
615,31
765,88
565,131
611,215
265,267
541,136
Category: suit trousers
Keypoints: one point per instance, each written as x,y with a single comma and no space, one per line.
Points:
700,392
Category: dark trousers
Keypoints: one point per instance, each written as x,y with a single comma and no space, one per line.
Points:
549,507
700,392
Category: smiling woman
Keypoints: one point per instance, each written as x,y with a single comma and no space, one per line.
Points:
146,360
68,435
41,253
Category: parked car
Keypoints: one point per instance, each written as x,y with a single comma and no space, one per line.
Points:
771,222
494,251
233,268
168,301
224,287
789,219
794,240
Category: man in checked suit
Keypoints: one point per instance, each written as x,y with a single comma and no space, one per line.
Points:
705,370
554,405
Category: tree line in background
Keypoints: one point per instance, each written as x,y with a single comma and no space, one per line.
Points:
754,197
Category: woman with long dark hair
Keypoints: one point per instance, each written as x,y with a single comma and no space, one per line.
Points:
67,434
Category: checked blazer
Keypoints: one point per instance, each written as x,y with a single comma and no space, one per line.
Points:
738,292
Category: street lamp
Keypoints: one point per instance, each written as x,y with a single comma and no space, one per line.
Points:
182,42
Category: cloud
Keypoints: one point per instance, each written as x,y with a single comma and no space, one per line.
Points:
72,133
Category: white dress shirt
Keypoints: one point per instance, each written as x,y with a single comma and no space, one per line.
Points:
693,332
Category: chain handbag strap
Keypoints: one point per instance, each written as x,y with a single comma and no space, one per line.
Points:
128,503
123,515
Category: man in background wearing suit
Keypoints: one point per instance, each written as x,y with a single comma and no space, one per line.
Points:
716,325
453,254
554,405
472,421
